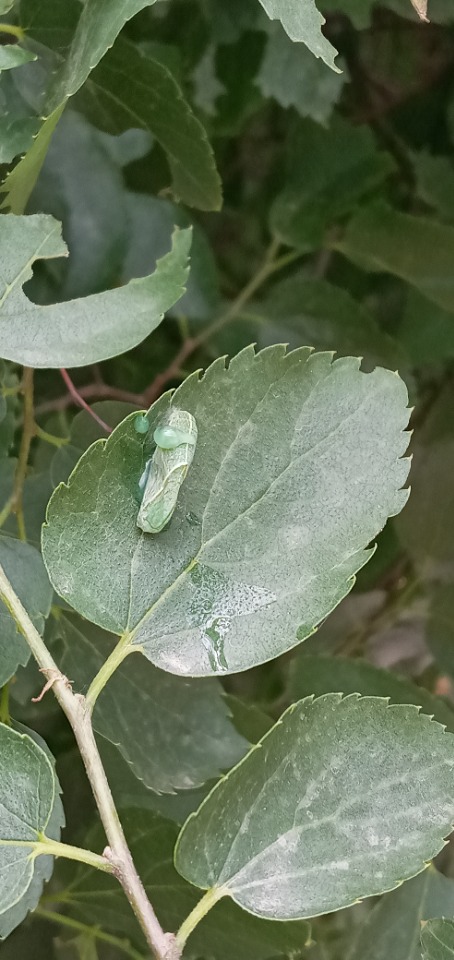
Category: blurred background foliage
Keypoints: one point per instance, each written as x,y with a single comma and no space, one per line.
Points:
336,231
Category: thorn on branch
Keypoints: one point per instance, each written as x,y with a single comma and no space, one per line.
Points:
52,677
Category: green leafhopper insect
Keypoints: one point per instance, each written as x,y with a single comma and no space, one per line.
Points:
164,473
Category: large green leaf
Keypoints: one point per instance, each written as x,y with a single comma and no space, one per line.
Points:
130,89
437,940
303,22
226,933
296,470
417,250
391,931
174,733
29,807
25,569
78,332
343,799
318,675
329,172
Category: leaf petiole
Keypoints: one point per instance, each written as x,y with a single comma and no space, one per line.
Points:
209,899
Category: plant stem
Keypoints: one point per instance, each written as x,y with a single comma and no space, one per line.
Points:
81,402
4,705
198,913
28,432
74,706
122,650
62,920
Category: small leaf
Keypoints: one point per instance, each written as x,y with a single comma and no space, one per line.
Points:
289,445
129,89
391,930
150,222
343,799
292,76
29,807
19,183
14,56
226,933
417,250
302,21
175,734
25,569
437,940
78,332
131,793
329,172
16,136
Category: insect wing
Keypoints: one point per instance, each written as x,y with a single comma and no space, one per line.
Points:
166,473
